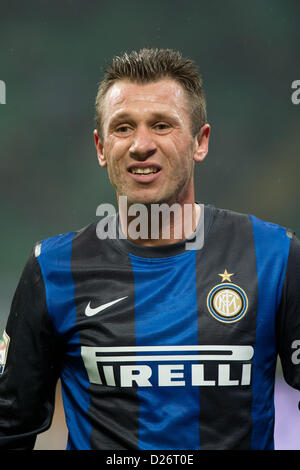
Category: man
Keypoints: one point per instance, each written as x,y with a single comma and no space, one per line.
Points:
157,345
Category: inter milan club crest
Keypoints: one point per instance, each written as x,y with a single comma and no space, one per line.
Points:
227,302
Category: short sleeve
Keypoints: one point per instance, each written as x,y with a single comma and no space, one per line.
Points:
29,359
288,318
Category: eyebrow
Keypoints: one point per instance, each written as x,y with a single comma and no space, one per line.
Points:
120,117
159,116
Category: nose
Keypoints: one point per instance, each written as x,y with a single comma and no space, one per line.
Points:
143,145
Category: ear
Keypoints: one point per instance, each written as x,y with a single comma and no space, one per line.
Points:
201,144
99,147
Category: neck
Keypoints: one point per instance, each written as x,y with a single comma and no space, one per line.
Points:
158,224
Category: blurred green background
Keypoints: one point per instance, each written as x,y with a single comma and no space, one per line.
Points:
51,54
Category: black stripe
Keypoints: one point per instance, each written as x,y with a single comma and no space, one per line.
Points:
229,245
101,274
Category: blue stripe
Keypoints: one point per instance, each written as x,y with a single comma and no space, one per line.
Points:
55,262
271,249
166,314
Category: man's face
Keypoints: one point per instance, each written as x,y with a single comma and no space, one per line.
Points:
147,143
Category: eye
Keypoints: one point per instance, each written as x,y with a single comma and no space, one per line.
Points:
162,127
123,129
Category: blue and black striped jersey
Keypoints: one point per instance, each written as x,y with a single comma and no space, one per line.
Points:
156,348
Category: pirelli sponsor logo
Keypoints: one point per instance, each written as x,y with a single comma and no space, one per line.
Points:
168,366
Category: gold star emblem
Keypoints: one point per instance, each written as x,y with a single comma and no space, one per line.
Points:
226,276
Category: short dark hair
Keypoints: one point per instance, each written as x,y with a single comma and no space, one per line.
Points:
150,65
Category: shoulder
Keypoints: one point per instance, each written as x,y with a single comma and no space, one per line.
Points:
259,226
270,242
294,255
270,229
61,245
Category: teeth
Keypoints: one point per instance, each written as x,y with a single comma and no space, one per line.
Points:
144,171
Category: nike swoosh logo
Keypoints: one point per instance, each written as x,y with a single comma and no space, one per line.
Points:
89,311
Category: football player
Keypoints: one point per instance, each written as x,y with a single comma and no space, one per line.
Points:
160,341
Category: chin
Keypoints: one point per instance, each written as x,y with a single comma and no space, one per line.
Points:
143,199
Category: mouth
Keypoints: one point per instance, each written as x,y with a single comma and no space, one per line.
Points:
144,173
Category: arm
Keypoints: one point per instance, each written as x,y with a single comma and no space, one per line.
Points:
29,376
288,319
